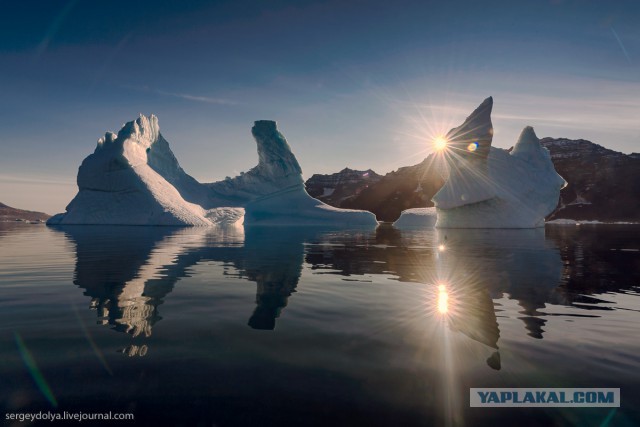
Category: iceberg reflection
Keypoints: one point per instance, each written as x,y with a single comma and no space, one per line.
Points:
128,272
481,265
467,270
122,270
486,264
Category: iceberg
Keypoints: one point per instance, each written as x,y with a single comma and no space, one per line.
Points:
417,218
273,192
489,187
133,178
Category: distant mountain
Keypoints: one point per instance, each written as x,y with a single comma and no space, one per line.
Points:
602,185
336,188
408,187
7,213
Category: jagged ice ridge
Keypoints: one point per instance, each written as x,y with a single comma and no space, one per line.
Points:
133,178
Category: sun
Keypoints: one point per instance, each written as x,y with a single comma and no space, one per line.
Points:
440,143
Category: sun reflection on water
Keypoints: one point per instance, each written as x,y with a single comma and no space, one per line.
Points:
443,299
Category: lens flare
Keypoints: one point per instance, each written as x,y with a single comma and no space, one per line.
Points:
443,299
440,143
36,374
441,248
472,147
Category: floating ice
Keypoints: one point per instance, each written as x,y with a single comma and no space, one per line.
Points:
489,187
123,183
417,218
133,178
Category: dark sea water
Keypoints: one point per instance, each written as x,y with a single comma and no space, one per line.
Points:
316,327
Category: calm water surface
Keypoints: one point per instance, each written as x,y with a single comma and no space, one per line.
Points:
275,326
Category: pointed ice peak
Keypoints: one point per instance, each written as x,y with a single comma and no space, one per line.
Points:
274,154
142,128
528,148
482,114
528,143
487,104
528,136
476,132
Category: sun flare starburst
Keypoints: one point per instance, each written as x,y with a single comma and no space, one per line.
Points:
443,299
440,143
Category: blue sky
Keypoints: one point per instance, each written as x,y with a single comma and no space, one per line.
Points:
363,84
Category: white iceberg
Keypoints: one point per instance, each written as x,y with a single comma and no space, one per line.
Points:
417,218
118,183
273,192
490,187
133,178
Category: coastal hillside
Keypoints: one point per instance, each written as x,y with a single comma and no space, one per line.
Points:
7,213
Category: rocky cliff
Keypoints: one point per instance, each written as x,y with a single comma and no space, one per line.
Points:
336,188
602,184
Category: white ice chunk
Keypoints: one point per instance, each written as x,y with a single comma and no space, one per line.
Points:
524,185
135,179
417,218
489,187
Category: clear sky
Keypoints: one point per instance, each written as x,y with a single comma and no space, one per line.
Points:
363,84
